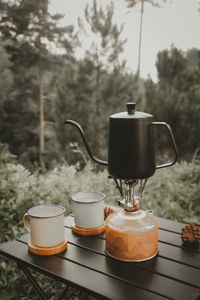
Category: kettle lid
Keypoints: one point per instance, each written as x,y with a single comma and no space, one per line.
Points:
131,113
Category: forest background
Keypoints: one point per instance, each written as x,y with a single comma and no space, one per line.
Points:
41,159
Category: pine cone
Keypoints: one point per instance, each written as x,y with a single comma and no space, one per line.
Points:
107,211
190,233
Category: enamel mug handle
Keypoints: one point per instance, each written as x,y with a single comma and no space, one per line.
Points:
173,143
26,222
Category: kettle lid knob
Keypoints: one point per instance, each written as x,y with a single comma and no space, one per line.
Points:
130,108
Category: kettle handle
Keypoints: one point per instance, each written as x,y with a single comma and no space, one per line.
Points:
173,143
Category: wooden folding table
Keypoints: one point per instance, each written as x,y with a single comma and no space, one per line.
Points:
173,274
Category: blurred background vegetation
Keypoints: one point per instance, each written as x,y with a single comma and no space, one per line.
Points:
42,160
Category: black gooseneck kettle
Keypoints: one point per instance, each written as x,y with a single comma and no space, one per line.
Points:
131,150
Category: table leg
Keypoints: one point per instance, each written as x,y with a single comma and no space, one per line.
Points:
33,281
36,285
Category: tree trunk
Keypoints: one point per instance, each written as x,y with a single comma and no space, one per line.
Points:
41,152
140,38
97,113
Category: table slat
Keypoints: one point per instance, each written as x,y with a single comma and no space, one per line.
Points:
160,265
130,273
171,261
175,239
75,274
167,251
170,271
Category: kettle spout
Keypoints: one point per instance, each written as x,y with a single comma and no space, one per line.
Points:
93,157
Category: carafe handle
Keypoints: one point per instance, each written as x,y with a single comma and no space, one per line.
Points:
173,143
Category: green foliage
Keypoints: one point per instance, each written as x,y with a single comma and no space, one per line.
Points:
16,194
104,47
175,99
106,43
86,90
174,193
73,101
27,32
6,79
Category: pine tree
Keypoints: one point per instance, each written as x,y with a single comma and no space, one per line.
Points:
132,3
103,51
73,101
32,30
175,98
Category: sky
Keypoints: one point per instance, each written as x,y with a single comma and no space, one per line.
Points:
176,23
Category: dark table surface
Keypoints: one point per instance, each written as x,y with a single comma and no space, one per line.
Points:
173,274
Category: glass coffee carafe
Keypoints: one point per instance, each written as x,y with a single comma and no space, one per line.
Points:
132,236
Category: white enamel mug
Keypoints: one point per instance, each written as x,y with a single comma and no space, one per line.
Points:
46,225
88,208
